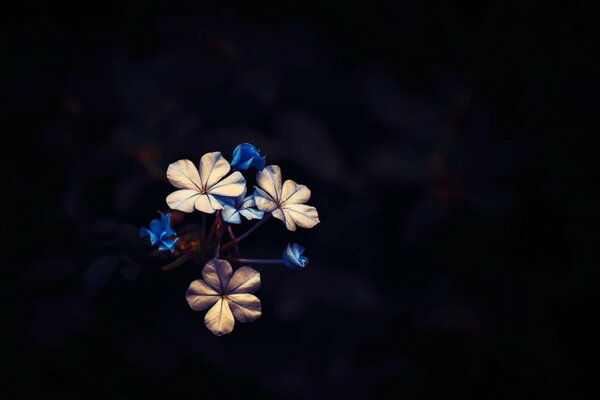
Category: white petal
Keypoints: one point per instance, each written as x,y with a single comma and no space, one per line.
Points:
231,215
207,203
269,180
183,175
219,319
244,280
248,208
183,200
287,219
200,296
294,193
304,216
216,274
212,168
231,186
245,307
264,201
240,199
247,202
252,213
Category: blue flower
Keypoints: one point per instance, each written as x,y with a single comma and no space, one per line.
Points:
292,256
246,155
161,233
235,207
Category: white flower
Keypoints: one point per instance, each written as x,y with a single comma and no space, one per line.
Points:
234,207
285,201
198,188
228,297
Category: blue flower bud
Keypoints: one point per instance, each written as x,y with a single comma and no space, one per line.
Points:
161,233
246,155
292,256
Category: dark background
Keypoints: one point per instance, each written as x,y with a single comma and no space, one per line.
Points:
448,150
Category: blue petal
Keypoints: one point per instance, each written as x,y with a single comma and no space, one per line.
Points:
303,261
165,219
226,201
156,226
252,213
245,164
144,232
297,250
167,244
237,155
246,155
160,232
231,215
258,162
291,256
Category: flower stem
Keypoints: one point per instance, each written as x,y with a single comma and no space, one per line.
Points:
256,261
232,237
247,233
218,233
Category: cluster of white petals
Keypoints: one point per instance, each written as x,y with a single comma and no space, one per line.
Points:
198,187
284,200
227,294
205,189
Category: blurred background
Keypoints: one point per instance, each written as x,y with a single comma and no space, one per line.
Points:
447,149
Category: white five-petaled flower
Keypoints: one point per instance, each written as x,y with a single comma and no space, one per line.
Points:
228,297
285,201
199,187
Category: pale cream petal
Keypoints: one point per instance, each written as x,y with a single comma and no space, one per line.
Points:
212,168
252,213
304,216
216,274
269,180
231,215
286,218
207,204
231,186
219,319
183,200
264,202
244,280
183,175
200,296
247,202
240,199
294,193
245,307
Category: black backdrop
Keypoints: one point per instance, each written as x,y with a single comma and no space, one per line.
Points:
447,151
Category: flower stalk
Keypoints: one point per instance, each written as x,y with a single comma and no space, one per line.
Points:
256,261
247,233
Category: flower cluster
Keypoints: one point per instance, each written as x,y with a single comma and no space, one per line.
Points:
211,189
